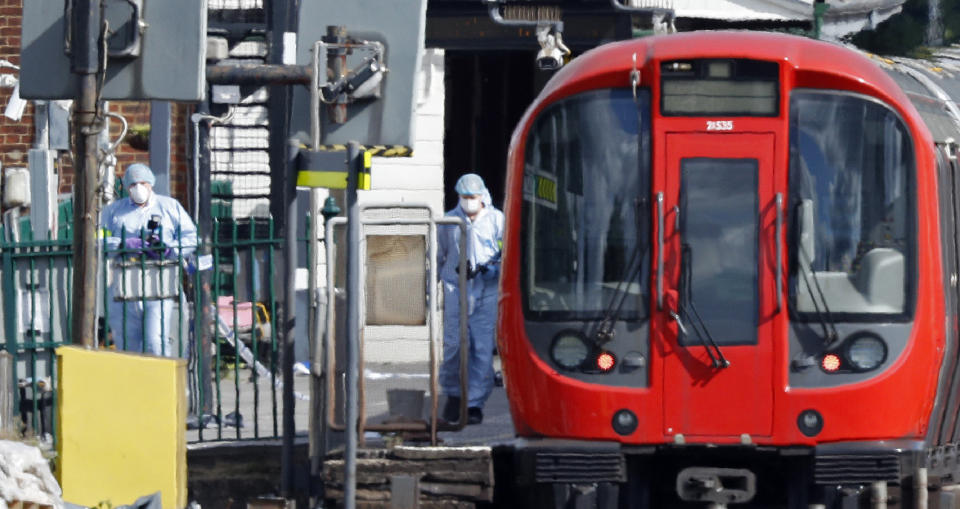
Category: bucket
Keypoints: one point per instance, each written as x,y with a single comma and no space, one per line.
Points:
406,403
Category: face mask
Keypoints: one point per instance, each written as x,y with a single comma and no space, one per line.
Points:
471,205
139,193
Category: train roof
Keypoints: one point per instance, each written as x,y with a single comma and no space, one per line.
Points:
932,85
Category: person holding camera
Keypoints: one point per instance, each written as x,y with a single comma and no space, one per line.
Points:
484,241
155,228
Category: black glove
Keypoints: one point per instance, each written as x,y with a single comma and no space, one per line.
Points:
471,271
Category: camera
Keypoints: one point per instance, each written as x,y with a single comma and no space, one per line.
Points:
549,59
552,50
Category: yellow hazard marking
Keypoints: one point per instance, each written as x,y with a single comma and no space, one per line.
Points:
373,150
330,179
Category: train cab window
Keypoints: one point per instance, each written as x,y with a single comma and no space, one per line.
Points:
851,165
586,208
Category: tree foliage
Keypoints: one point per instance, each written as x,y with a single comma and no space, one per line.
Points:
906,33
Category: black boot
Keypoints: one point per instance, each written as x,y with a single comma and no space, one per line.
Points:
474,415
451,409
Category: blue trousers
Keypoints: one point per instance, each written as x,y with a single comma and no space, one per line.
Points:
148,325
481,326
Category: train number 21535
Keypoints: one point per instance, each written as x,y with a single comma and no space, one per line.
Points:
719,125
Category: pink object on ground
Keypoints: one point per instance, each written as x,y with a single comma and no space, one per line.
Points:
244,312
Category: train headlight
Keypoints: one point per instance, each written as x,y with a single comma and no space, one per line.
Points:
865,351
569,350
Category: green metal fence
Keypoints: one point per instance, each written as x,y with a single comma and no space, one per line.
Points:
232,349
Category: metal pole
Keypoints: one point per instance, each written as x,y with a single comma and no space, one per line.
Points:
85,205
204,220
353,324
282,18
318,373
257,74
337,65
289,337
313,327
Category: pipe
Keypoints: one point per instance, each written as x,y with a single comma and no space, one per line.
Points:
259,74
195,119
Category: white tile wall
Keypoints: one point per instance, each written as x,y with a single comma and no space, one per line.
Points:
418,178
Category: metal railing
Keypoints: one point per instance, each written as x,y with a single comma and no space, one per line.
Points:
36,320
434,336
234,366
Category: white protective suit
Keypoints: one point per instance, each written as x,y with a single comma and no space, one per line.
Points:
484,240
148,323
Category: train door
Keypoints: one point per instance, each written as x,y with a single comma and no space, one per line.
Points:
718,220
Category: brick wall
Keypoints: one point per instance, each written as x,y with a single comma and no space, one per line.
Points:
16,137
138,114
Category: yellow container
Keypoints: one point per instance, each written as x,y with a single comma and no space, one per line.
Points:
121,423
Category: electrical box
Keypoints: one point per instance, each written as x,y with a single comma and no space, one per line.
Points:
384,113
156,50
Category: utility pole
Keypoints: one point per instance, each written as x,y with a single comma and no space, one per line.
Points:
85,63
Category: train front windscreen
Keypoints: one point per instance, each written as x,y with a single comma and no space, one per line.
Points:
586,208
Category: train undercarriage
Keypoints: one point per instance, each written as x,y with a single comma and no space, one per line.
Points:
552,473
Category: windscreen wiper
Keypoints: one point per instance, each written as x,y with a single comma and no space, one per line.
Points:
604,331
696,322
830,335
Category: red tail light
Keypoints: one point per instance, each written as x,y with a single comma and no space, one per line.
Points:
606,361
830,362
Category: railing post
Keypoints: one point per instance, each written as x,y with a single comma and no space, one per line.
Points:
10,320
8,389
9,300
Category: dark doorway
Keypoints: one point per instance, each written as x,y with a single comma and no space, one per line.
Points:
486,95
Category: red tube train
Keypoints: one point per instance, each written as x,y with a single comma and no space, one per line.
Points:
730,277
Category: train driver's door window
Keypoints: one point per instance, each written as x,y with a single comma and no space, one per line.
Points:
851,207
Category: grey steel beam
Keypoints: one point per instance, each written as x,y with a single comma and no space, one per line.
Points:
258,74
